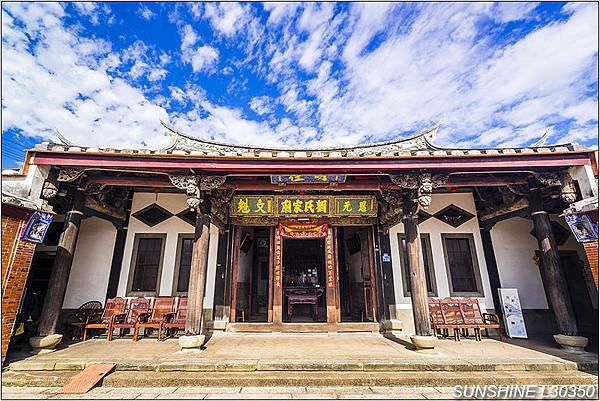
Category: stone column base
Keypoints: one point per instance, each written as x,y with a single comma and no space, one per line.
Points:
191,343
45,344
571,343
392,325
424,342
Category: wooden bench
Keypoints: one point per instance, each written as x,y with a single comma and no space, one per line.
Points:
461,314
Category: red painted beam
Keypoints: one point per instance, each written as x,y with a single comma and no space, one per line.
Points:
358,185
274,166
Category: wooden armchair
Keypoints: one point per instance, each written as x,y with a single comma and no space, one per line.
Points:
163,306
76,321
437,317
176,320
137,311
452,315
474,318
104,320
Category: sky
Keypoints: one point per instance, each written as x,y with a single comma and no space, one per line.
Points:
298,74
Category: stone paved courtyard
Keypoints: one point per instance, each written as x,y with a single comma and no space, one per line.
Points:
351,351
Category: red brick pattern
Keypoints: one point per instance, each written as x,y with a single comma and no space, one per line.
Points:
591,250
16,260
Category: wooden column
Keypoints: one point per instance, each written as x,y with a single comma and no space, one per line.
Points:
278,279
194,324
555,282
234,273
416,267
330,294
61,268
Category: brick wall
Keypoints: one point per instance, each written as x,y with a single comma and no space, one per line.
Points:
591,250
16,260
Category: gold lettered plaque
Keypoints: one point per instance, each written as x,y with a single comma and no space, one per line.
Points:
303,206
355,206
252,205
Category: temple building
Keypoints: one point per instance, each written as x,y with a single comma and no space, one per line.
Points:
316,240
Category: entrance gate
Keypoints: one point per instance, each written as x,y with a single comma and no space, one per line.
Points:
318,287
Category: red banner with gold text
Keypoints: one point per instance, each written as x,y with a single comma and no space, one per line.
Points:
303,230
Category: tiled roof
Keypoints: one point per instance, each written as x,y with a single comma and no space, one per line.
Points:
418,145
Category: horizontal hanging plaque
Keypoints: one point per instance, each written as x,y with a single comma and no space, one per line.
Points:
307,179
303,206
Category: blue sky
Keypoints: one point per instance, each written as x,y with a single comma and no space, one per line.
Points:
298,74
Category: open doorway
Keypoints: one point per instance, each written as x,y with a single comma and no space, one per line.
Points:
356,279
304,298
252,281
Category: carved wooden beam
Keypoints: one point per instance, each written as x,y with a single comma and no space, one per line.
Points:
568,193
106,209
195,185
69,174
424,183
518,204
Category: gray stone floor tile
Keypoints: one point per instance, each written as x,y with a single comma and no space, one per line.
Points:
340,389
273,390
207,390
314,396
245,396
181,396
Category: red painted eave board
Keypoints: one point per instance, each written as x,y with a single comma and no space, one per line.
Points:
522,162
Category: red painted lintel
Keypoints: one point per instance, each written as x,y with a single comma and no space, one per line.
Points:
477,163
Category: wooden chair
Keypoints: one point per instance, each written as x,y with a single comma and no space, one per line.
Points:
112,308
437,317
136,312
163,306
474,318
452,315
176,320
76,321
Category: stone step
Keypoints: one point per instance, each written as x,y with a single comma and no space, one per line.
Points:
269,365
305,379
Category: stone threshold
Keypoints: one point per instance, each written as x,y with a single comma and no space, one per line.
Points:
273,365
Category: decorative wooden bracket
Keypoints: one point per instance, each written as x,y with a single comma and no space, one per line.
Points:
568,193
69,174
424,183
195,185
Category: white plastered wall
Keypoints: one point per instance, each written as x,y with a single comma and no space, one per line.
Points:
435,228
88,279
514,249
172,227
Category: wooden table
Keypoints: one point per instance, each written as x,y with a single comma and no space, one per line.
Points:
303,296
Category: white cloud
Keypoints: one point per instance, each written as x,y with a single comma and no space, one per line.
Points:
504,12
279,10
202,58
226,18
146,13
342,75
262,105
57,85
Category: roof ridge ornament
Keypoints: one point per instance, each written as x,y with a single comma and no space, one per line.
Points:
63,140
544,138
420,141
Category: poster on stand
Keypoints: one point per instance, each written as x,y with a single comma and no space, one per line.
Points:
513,315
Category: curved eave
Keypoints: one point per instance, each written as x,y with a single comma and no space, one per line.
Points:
176,135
